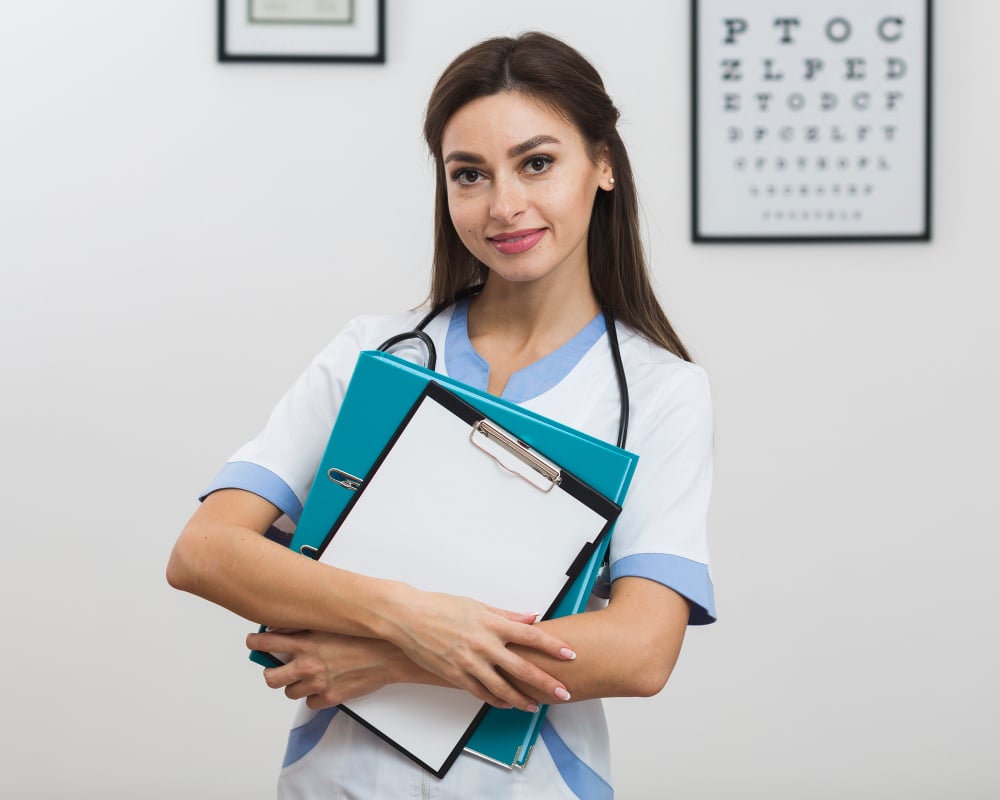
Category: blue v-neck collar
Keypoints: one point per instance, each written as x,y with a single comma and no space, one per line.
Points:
465,364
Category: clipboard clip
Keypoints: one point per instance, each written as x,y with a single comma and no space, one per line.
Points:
549,472
345,479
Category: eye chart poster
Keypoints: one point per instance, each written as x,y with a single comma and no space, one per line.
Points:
811,120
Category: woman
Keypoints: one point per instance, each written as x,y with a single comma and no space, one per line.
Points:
535,200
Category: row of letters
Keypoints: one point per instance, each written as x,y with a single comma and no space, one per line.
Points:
851,190
855,69
819,163
836,29
812,133
806,216
763,102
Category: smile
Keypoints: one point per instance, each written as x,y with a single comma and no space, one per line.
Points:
517,242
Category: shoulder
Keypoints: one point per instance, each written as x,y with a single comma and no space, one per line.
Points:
659,379
366,332
370,330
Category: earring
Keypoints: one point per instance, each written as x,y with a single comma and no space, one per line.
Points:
611,181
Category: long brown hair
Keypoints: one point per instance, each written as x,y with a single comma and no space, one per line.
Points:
550,71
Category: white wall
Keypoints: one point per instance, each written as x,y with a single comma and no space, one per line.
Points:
178,237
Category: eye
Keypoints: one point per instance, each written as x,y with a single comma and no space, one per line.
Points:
536,165
466,176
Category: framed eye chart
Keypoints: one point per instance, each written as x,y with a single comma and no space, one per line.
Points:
811,120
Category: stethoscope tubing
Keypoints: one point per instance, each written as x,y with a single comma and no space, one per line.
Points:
431,364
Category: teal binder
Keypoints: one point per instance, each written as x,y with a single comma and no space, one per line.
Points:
382,391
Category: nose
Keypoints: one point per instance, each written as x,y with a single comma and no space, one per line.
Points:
507,199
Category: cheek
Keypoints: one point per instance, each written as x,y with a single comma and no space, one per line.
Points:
461,218
573,204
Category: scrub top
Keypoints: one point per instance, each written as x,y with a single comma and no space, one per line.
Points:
660,534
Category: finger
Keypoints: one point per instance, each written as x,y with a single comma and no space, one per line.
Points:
497,688
537,639
487,684
479,690
534,676
479,679
273,642
276,677
297,690
517,616
317,702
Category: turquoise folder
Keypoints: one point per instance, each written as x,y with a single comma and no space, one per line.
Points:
381,393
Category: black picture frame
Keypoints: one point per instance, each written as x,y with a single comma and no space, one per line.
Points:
735,197
359,39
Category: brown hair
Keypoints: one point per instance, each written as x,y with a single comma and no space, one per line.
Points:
552,72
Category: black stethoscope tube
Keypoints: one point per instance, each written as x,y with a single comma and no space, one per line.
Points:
609,324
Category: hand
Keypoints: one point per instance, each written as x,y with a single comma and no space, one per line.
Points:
327,668
465,642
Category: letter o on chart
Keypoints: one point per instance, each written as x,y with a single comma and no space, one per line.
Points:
838,30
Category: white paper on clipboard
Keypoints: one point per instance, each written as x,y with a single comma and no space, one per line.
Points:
441,515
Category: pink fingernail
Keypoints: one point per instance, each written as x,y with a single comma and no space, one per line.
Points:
568,654
561,693
531,709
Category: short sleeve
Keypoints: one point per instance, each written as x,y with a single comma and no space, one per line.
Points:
662,531
280,463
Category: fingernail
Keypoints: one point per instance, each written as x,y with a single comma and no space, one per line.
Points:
568,654
531,709
561,693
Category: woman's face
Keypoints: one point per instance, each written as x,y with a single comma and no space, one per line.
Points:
521,186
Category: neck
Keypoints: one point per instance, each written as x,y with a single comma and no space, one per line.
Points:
536,310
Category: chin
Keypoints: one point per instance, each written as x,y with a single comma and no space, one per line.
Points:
517,275
510,270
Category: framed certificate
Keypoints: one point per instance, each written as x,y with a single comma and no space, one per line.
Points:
811,120
302,30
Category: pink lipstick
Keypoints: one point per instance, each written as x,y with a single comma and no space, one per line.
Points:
511,244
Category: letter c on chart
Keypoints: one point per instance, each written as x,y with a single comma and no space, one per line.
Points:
884,23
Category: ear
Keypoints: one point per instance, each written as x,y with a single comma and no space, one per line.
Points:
606,176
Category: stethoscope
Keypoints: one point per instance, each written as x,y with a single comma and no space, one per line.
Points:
602,587
609,323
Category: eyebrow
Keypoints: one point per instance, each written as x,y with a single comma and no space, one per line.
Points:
531,144
514,152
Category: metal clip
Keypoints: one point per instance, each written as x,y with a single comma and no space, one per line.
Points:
519,450
345,479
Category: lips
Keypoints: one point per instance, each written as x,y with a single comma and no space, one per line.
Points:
517,242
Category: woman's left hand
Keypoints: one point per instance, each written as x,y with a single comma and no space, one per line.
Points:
327,668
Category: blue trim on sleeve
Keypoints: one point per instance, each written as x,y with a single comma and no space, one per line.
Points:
578,776
305,737
686,577
466,365
259,480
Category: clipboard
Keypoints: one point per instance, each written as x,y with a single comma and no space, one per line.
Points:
456,504
381,393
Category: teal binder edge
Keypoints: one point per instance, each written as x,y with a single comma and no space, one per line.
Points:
382,390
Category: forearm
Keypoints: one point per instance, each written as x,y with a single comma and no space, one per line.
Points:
223,558
628,649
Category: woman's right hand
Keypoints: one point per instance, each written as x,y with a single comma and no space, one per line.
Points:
465,642
328,669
